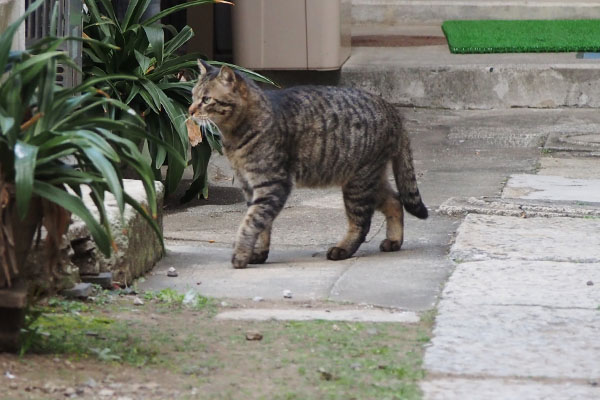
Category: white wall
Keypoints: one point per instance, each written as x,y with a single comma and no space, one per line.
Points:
10,10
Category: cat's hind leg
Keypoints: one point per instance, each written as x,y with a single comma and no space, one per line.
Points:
359,200
389,204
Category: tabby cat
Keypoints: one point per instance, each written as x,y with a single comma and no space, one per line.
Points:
315,136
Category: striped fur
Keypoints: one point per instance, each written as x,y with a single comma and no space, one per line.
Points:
313,136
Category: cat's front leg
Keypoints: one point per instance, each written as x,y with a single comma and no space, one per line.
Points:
261,248
268,200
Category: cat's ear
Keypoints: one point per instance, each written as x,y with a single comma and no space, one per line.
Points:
226,75
203,66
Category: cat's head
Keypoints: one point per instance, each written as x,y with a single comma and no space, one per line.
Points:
219,96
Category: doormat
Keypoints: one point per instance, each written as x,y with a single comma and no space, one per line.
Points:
522,36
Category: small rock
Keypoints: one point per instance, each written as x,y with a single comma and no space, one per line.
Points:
590,283
287,294
254,335
150,385
355,366
372,331
90,383
137,301
69,364
325,375
335,327
224,304
172,272
257,298
80,291
106,393
49,388
124,398
69,392
13,385
9,375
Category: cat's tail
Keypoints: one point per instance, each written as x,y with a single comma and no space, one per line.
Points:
406,181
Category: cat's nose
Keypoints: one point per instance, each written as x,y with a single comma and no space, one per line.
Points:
193,108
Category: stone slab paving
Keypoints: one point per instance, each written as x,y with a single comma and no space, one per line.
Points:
548,187
515,341
519,316
460,389
486,237
526,283
571,167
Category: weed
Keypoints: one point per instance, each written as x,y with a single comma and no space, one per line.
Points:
166,296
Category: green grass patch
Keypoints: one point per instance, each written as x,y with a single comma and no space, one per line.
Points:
522,36
294,360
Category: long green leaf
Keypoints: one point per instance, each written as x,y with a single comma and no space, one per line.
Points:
108,7
97,16
132,93
25,157
154,92
156,38
134,12
173,9
14,106
177,117
108,172
179,40
76,206
94,81
144,62
6,123
148,101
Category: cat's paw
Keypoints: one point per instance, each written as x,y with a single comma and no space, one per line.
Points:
239,262
259,258
390,245
337,253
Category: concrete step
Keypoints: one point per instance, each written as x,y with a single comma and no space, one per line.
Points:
430,76
399,12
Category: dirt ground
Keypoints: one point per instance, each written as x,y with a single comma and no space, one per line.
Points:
109,348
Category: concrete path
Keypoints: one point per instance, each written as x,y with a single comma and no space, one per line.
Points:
457,154
520,315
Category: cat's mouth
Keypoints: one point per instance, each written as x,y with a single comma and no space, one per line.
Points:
206,123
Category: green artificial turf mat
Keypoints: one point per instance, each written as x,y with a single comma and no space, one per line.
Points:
522,36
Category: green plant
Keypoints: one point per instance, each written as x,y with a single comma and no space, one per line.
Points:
60,145
137,47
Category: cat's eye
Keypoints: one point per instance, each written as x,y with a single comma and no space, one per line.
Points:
206,100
